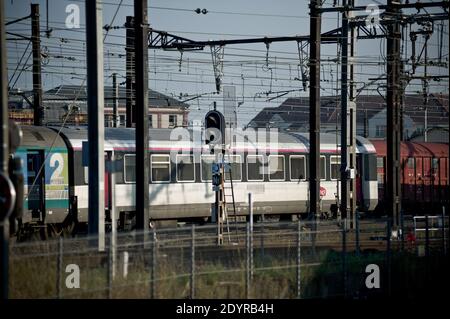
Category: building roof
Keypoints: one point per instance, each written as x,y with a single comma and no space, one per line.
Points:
295,111
70,92
58,100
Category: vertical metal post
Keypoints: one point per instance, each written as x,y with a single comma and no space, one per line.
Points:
393,117
357,232
299,259
366,124
344,115
96,125
444,241
116,122
352,120
314,117
344,256
192,278
59,267
113,214
262,240
402,230
4,264
250,211
216,218
247,263
425,89
153,265
4,119
388,254
110,267
250,203
4,155
130,80
37,80
427,236
142,154
314,106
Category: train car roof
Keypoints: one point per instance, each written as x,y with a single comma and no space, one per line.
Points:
40,137
116,138
414,149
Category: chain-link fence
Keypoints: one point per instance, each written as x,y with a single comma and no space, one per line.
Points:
265,260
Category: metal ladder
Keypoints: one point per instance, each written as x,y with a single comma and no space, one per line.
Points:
227,197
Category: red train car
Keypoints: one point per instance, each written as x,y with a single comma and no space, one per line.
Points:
424,175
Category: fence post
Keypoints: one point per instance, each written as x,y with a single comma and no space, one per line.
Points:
402,230
125,264
444,241
298,258
262,241
251,254
192,278
247,264
388,254
357,231
153,267
59,267
344,256
110,267
427,236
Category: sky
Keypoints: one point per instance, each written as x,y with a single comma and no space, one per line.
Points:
256,79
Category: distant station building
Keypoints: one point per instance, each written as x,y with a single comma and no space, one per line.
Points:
293,115
69,104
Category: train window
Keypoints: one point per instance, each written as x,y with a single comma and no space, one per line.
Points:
206,167
86,175
435,163
370,172
335,166
380,162
323,168
160,165
411,162
276,168
255,168
236,167
130,168
185,168
297,167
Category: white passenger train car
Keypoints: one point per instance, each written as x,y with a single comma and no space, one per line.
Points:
275,172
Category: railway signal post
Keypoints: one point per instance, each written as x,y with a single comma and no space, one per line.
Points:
215,138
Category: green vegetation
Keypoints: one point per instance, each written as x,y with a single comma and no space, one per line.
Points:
223,275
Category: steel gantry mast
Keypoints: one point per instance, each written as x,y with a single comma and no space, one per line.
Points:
393,189
142,137
314,110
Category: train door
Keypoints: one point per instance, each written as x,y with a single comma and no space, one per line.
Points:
435,179
427,178
408,182
107,179
419,181
443,181
359,181
36,183
381,177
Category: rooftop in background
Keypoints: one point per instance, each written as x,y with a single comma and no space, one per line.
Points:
69,92
59,100
293,113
